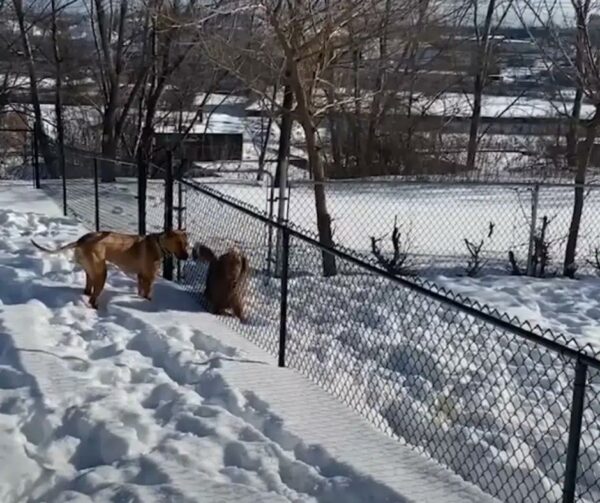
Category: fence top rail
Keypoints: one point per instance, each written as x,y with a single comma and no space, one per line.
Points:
216,172
441,183
100,157
536,334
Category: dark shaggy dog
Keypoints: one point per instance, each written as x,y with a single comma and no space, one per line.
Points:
226,280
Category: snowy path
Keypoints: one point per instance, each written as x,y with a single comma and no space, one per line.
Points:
139,402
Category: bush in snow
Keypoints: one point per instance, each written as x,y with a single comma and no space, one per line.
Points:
476,263
540,257
398,263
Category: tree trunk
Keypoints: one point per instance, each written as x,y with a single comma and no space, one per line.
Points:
42,137
265,143
569,267
480,78
60,129
285,135
572,133
323,217
316,168
336,146
109,154
376,112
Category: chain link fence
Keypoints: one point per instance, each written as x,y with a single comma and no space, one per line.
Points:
444,227
103,193
447,228
507,407
489,398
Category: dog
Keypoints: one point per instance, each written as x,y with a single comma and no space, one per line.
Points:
226,280
133,254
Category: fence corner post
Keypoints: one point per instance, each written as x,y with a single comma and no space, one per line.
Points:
96,196
36,159
285,257
183,167
142,189
535,197
168,222
575,424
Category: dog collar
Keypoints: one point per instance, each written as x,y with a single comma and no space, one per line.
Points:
162,249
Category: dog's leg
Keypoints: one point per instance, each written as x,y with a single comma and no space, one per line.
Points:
140,285
147,283
99,281
88,284
238,309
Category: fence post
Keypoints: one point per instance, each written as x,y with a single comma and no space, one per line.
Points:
96,196
281,212
271,203
180,206
285,247
36,159
168,224
142,188
575,432
63,169
535,196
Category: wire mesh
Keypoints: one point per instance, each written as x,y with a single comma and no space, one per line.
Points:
588,481
556,203
219,226
434,221
477,398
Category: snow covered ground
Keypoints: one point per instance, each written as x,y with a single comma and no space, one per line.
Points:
157,401
407,363
462,390
565,306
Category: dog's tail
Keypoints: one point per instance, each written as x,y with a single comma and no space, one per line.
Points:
68,246
201,252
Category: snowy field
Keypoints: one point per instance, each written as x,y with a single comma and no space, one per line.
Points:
158,402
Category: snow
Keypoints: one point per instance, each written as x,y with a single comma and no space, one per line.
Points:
159,401
460,105
565,306
460,390
435,219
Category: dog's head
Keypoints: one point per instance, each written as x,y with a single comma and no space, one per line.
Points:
176,242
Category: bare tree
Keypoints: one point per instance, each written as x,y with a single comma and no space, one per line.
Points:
579,62
60,130
169,45
482,64
300,42
40,132
587,59
121,69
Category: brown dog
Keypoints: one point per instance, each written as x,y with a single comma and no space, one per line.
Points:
226,279
140,255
